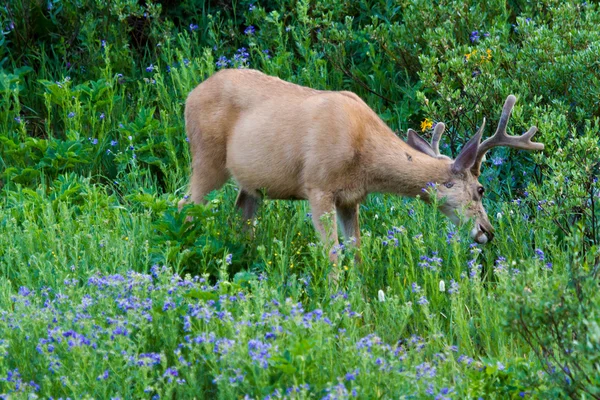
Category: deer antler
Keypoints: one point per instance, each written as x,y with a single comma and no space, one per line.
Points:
433,149
501,138
438,131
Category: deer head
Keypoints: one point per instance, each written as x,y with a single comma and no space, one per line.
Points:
460,191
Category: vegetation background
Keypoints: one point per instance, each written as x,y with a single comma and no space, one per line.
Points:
106,291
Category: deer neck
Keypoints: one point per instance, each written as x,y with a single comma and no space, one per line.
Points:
397,168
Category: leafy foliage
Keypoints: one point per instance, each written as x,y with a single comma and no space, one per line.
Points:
107,289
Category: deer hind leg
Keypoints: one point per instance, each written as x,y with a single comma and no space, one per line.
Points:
321,204
248,204
348,217
207,175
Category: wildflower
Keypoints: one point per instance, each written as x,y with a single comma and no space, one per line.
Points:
193,27
453,287
103,43
474,37
101,116
24,291
351,376
259,352
425,369
416,288
540,254
474,269
222,62
426,124
423,301
18,119
497,160
228,259
71,114
430,391
249,30
381,296
442,286
222,346
251,7
103,377
449,236
113,143
150,68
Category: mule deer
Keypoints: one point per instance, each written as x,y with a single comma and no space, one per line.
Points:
330,148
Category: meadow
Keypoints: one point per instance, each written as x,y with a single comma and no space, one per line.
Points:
108,291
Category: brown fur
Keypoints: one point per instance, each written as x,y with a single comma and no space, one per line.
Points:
292,142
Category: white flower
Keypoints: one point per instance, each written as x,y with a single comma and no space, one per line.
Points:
442,286
499,215
381,296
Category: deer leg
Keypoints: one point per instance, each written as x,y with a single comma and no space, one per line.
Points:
321,204
248,204
205,177
348,216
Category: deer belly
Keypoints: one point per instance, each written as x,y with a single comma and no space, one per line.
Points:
264,171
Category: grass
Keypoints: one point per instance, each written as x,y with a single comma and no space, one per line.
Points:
79,277
107,291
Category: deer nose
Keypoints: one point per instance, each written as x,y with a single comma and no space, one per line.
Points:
482,234
489,232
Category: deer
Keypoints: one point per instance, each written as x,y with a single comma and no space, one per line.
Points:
286,141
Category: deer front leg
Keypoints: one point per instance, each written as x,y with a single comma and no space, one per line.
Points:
322,203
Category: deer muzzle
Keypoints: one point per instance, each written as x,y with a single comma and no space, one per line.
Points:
482,232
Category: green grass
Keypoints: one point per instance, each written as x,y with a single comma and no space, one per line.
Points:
107,290
58,248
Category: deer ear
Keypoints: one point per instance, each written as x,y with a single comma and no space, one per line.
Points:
468,155
418,143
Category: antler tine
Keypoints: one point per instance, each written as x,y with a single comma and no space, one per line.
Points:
501,138
438,131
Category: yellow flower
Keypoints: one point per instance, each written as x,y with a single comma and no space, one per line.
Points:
426,124
468,55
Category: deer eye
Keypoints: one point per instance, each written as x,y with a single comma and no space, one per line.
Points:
481,190
449,184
